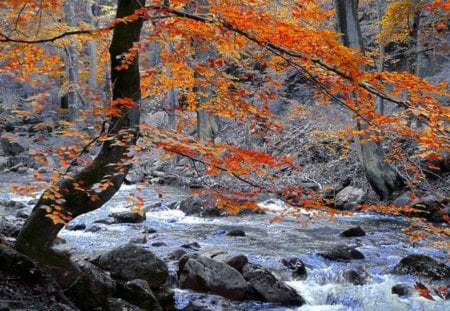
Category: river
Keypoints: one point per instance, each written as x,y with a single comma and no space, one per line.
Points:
324,289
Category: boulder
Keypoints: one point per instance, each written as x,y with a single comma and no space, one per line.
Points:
424,204
421,265
16,263
267,288
176,254
353,232
348,198
402,290
129,262
203,206
342,253
353,277
93,287
10,226
296,267
236,232
235,261
202,274
128,217
138,293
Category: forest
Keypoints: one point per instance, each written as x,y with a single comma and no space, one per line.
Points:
224,155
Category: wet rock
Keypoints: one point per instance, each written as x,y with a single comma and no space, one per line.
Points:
138,239
158,244
117,304
149,230
202,274
128,217
93,229
192,245
176,254
10,226
348,198
93,287
129,262
106,221
236,232
421,265
138,293
235,261
296,267
76,227
342,253
353,277
203,206
23,213
268,288
402,290
353,232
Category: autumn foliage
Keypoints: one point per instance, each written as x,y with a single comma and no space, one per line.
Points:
277,35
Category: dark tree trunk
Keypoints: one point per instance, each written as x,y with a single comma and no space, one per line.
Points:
380,174
39,231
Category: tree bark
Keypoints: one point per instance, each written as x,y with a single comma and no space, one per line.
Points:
39,231
380,174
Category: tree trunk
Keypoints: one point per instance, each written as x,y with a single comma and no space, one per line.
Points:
380,174
39,231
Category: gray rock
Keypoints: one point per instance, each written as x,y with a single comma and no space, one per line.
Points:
129,262
138,293
268,288
402,290
176,254
342,253
421,265
93,287
353,232
128,217
348,198
236,232
296,267
235,261
202,274
353,277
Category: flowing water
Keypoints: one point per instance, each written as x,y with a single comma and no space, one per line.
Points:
266,244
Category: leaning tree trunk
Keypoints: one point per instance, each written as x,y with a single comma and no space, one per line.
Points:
380,174
39,231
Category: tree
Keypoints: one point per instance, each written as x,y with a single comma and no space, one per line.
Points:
97,183
300,37
380,174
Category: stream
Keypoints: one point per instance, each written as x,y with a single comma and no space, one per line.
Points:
324,289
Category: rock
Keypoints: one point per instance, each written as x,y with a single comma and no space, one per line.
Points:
92,289
76,227
117,304
129,262
268,288
352,232
353,277
149,230
192,245
93,228
10,227
128,217
22,214
236,232
202,274
139,294
423,204
296,267
203,206
342,253
176,254
16,263
138,239
10,147
402,290
235,261
106,221
421,265
441,215
348,198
